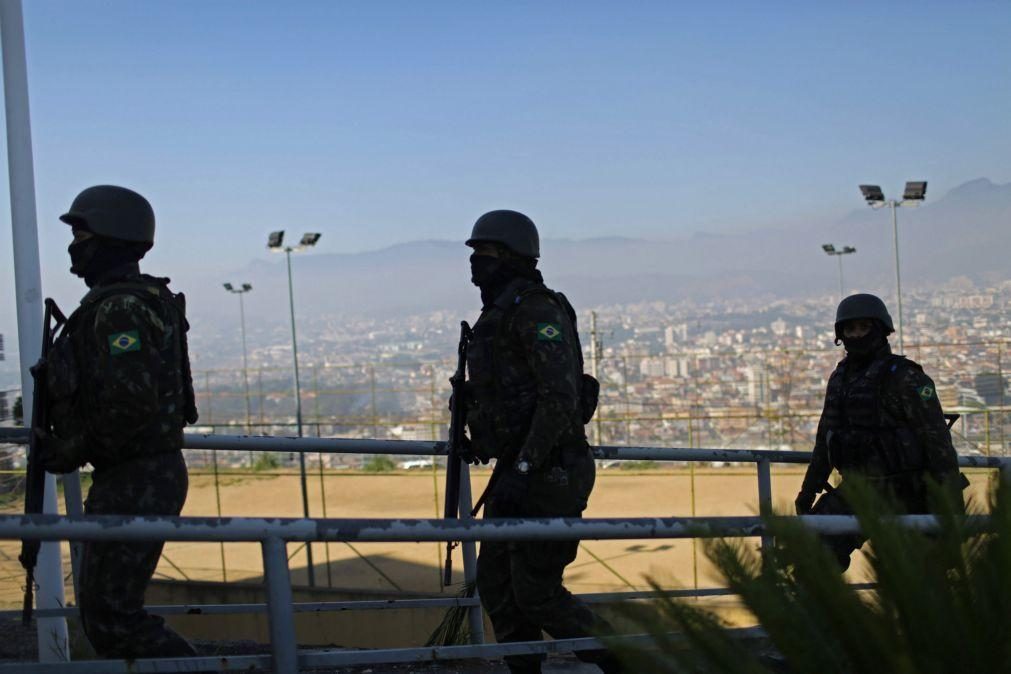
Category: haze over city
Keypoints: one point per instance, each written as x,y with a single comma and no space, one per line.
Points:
380,126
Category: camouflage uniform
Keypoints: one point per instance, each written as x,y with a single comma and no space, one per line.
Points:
883,422
122,393
524,399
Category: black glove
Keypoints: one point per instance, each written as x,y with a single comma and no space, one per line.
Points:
57,455
471,454
466,451
512,486
804,502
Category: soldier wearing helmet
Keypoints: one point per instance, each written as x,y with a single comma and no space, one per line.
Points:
121,393
882,421
528,401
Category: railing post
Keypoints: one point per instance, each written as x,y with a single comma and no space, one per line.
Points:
279,599
75,508
765,496
475,618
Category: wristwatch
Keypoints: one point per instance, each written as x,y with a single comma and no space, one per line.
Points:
522,466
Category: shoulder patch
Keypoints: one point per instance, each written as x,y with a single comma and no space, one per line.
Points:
124,342
926,392
549,332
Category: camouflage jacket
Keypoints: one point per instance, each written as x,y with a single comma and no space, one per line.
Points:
119,374
525,373
890,409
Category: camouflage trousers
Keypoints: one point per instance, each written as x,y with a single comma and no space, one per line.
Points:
520,583
114,576
908,494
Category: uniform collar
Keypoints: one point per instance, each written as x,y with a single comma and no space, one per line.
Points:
508,296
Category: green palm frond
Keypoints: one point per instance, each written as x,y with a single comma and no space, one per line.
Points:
942,601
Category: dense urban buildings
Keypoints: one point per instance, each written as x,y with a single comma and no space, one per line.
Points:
731,373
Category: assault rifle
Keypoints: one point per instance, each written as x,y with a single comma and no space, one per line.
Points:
35,480
457,442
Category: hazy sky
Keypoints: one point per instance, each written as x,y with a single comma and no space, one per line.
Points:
376,123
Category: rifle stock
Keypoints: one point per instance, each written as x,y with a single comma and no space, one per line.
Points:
457,440
35,478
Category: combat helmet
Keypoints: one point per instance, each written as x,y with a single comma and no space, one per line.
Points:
862,305
513,230
113,212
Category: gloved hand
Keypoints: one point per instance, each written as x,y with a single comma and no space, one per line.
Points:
804,502
58,455
512,486
469,453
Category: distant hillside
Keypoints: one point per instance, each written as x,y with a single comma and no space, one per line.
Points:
964,232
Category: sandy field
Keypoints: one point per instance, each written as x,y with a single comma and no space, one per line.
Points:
602,566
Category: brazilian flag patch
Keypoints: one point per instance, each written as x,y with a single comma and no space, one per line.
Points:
123,342
926,392
548,332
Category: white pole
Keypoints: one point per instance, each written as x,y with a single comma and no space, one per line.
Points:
52,632
842,292
898,280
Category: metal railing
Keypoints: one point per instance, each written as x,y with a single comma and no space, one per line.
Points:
273,534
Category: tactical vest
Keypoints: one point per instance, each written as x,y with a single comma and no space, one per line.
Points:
862,434
502,392
176,400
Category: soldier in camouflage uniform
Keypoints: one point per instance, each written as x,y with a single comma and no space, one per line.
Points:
121,393
882,421
524,409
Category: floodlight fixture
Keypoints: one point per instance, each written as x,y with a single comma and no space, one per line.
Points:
828,248
872,194
243,288
915,191
309,239
848,249
275,239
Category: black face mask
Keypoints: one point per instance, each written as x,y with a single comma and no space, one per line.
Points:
82,253
861,347
96,258
485,270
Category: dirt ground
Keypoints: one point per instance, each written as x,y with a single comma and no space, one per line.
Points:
602,566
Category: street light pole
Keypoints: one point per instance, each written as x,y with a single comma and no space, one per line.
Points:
913,195
831,250
898,277
274,242
294,352
240,291
842,290
245,359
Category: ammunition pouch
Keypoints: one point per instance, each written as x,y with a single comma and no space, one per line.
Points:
63,383
589,396
878,452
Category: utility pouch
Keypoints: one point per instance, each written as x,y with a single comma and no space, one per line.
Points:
589,396
63,384
908,453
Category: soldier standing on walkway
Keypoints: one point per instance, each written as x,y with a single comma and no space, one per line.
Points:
526,408
121,393
882,421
